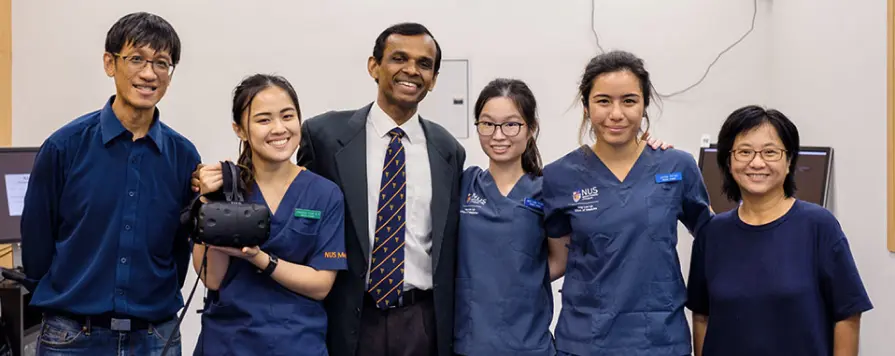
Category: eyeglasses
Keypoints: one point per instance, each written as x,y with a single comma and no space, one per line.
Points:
509,129
767,154
136,63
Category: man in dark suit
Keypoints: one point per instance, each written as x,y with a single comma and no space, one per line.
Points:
400,175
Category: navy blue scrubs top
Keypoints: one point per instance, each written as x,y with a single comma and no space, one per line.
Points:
623,292
777,288
504,303
255,315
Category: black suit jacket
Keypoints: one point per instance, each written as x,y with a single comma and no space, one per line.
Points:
333,145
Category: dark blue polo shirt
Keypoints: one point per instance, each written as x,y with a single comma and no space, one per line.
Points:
100,226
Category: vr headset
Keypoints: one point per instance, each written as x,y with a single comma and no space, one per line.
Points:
226,219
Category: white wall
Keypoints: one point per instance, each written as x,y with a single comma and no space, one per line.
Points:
828,74
322,48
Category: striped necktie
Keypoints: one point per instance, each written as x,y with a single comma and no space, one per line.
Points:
387,260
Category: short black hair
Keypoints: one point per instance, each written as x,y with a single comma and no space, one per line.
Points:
746,119
140,29
405,29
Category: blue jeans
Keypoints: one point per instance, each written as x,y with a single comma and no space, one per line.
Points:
63,336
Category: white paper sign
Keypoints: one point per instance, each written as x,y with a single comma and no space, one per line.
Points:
16,185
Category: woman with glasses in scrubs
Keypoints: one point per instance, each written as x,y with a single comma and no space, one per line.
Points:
505,262
268,300
775,275
504,301
617,204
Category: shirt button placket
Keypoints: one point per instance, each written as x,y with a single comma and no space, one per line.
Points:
128,237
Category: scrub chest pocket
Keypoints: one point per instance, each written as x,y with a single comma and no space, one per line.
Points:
305,231
525,220
305,226
663,208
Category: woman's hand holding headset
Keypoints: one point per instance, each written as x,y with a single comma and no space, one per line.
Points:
208,179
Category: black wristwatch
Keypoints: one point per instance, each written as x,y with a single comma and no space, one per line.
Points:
272,265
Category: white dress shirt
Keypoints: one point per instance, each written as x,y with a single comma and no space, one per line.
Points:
418,228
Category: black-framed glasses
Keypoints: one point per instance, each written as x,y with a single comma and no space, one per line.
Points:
509,129
767,154
136,63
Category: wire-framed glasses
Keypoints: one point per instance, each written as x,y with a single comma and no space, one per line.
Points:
509,129
136,63
767,154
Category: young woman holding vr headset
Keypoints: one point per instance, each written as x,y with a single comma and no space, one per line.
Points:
267,299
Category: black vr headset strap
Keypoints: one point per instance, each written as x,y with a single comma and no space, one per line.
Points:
230,181
235,194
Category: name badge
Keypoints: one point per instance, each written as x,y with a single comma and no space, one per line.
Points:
310,214
667,178
531,203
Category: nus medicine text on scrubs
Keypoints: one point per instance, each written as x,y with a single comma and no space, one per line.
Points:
504,300
623,292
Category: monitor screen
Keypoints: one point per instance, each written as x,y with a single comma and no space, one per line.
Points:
812,176
15,168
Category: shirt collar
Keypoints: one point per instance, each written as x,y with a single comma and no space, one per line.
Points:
382,124
112,128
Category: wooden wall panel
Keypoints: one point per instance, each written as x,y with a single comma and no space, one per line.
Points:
890,127
5,73
6,257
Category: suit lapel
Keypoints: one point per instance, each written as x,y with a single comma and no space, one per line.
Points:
442,173
351,162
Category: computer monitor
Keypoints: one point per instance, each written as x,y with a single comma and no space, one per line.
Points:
812,176
15,169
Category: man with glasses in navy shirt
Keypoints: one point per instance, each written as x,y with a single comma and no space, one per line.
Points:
101,229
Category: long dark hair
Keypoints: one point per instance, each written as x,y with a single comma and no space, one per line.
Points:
243,96
609,62
517,91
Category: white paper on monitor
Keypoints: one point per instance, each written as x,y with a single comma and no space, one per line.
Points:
16,185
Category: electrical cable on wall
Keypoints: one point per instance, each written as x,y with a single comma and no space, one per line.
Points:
593,28
752,27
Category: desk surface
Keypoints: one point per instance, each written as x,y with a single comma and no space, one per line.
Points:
10,284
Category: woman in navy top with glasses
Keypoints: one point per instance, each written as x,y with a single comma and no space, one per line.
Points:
775,275
504,300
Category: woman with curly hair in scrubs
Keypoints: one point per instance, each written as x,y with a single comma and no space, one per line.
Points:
617,203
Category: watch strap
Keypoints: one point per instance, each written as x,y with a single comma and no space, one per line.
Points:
272,265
